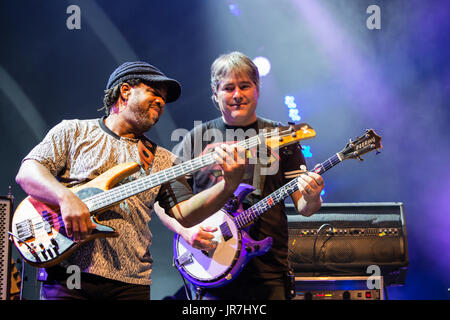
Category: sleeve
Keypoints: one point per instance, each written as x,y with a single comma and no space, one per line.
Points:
174,192
184,151
53,150
291,159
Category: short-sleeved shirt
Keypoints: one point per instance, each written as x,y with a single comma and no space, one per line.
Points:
275,169
78,151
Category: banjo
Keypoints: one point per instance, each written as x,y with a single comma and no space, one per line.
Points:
235,247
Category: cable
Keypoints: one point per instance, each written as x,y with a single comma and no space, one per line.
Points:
22,279
20,240
187,292
315,240
385,292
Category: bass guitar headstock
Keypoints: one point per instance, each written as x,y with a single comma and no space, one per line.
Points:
285,135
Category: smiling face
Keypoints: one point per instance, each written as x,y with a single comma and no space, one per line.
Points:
145,105
237,97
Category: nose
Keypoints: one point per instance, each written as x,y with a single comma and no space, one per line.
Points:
237,95
160,102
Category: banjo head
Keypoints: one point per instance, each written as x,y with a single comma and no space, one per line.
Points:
208,266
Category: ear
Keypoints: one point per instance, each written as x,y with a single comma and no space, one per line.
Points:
125,90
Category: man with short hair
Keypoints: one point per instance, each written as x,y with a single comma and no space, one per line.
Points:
77,151
235,91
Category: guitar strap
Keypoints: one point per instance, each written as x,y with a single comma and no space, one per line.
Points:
258,179
146,152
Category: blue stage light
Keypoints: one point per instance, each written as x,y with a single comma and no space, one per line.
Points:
234,9
289,101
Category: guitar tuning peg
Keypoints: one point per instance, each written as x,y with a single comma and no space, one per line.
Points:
357,156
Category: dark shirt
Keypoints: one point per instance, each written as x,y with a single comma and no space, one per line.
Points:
266,178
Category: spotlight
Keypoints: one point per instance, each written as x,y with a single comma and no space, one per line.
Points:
306,150
263,65
234,9
289,101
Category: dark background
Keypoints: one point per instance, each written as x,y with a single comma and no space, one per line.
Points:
344,78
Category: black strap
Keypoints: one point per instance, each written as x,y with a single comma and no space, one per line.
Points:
258,179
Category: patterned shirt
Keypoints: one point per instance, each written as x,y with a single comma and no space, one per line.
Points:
77,151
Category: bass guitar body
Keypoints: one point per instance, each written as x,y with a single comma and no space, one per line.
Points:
38,229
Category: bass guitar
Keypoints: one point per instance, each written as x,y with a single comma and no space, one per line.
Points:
235,247
38,229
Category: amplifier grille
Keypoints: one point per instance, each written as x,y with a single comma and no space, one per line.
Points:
5,215
348,237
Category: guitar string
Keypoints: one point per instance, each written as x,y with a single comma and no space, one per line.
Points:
204,160
246,217
136,185
243,219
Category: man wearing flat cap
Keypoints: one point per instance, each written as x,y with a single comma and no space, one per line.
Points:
77,151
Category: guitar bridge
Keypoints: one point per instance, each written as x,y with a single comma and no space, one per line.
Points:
25,230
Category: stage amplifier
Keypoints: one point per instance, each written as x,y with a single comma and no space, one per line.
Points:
5,246
338,288
349,238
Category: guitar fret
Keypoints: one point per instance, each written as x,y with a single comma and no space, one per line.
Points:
281,193
122,192
271,200
118,194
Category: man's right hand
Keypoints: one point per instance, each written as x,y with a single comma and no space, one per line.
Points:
37,181
76,217
200,237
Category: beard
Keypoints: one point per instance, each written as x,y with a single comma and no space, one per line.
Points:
145,119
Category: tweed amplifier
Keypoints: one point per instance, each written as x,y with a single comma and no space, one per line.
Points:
348,238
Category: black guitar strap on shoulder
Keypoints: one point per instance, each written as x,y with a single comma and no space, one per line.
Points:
258,179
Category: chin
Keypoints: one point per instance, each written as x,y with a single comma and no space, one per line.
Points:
147,125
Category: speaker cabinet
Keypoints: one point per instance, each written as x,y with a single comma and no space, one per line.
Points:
347,238
5,246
